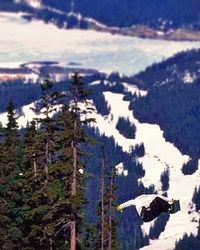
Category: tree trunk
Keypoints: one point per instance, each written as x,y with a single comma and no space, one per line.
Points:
74,152
51,244
73,187
34,166
46,162
73,235
110,212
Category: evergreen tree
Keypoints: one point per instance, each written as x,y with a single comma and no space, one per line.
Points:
11,128
112,223
139,150
107,221
159,226
196,198
10,162
80,108
165,180
190,167
41,190
126,128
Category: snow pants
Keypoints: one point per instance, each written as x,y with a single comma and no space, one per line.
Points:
156,207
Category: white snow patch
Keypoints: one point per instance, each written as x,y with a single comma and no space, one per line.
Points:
160,33
134,89
32,3
120,169
81,171
27,115
188,77
95,83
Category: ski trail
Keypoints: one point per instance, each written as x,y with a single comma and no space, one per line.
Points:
160,155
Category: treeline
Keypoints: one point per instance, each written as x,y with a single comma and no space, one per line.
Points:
128,12
159,15
23,92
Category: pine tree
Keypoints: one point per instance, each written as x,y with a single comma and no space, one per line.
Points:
12,127
165,180
112,234
107,221
40,189
196,198
79,108
9,180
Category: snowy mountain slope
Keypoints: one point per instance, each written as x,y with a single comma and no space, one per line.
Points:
159,155
160,17
25,115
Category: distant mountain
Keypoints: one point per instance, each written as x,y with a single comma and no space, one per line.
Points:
169,19
161,15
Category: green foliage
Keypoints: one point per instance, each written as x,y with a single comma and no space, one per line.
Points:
55,190
126,128
196,198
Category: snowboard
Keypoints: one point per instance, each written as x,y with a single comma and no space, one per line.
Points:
175,207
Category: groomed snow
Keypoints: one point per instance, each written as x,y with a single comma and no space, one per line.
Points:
21,41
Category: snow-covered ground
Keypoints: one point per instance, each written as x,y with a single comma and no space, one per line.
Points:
21,42
26,115
159,156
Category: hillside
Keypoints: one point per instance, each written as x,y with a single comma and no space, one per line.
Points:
143,171
173,100
158,21
160,15
147,123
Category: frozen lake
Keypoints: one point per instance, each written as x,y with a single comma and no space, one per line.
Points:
22,42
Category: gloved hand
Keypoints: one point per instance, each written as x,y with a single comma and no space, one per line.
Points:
120,208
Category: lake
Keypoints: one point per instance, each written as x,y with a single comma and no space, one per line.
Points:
22,42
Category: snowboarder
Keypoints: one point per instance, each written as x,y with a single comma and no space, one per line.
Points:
150,206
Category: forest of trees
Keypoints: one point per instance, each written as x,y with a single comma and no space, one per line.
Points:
128,12
126,128
42,187
47,176
159,14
